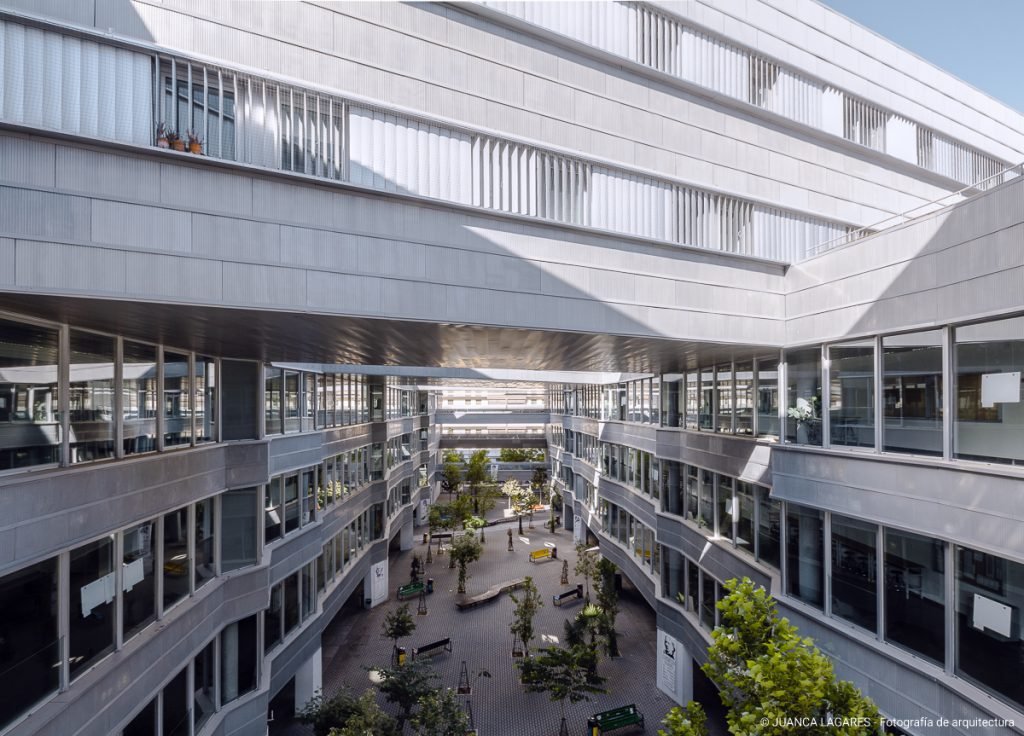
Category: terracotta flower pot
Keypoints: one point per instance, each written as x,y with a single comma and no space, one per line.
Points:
162,143
195,147
178,145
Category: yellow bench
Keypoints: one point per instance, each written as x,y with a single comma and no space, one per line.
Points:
542,554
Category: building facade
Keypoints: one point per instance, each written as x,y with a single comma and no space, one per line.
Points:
212,214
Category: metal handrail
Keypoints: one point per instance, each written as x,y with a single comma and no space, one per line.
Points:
933,206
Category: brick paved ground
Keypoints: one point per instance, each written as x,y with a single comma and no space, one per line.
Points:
481,638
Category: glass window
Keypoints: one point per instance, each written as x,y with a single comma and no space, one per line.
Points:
272,399
693,586
177,567
291,602
213,121
915,595
768,397
91,618
803,380
805,563
291,401
989,601
692,400
238,529
291,503
29,426
139,571
29,645
203,695
273,618
912,393
989,412
91,397
176,705
707,600
308,590
769,528
692,491
206,399
743,403
707,500
143,724
724,398
177,400
726,507
205,538
238,659
139,397
707,398
308,496
851,394
854,571
272,510
745,517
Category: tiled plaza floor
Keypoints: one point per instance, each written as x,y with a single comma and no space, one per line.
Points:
481,638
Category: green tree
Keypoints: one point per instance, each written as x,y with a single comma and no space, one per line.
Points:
465,549
539,479
688,721
513,455
440,714
367,719
328,715
586,567
527,604
766,673
405,686
398,624
518,497
564,674
476,476
608,601
451,471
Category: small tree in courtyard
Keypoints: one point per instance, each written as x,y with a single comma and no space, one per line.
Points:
586,567
527,604
451,471
398,624
608,601
367,718
769,677
328,715
564,674
688,721
405,686
440,714
465,549
476,476
518,498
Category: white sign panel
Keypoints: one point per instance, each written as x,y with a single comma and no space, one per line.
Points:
1000,388
379,583
992,615
669,654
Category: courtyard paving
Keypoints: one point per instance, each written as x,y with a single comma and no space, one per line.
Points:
480,638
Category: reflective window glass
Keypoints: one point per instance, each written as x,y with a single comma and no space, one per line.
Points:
139,576
177,400
91,618
851,399
854,571
805,563
912,393
91,397
915,595
139,397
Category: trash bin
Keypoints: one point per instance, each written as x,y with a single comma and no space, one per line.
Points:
554,553
579,589
424,538
430,585
401,655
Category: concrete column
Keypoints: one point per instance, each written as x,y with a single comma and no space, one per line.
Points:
309,678
405,536
675,669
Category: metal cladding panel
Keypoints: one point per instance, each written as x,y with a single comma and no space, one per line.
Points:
738,457
975,509
631,570
69,268
27,162
630,500
236,240
7,261
67,218
292,452
103,174
141,227
684,629
152,276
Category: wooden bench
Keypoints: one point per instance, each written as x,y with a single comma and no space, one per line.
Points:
610,720
440,535
559,598
548,553
411,590
489,595
441,645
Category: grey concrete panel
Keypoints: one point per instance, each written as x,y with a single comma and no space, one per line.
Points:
69,268
236,240
632,501
323,249
294,451
26,161
7,261
21,213
970,506
152,276
627,564
740,457
199,188
264,285
720,560
106,174
140,227
341,292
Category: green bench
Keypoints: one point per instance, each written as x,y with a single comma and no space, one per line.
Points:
610,720
411,590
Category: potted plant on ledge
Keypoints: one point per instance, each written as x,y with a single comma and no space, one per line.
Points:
808,428
177,144
162,141
195,143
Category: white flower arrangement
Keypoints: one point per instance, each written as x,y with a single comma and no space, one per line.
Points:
804,410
